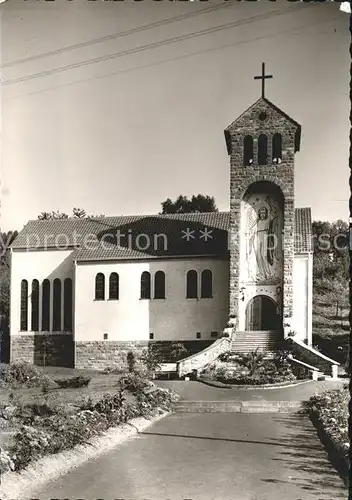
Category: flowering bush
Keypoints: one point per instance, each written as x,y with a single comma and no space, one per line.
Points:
331,409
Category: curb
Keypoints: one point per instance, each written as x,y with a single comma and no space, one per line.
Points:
237,406
337,454
222,385
49,468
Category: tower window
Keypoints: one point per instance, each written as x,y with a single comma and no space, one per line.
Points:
262,149
192,285
145,285
248,150
277,148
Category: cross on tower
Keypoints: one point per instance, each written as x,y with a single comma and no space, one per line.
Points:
263,78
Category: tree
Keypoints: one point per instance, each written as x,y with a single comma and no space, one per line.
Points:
339,296
52,215
199,203
79,213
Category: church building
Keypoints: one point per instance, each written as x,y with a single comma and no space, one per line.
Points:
86,291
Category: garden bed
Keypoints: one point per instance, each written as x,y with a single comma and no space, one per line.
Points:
45,420
252,369
222,385
329,415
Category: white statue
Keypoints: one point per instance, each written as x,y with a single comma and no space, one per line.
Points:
264,248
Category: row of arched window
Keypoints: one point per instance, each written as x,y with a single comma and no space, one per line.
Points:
276,150
55,304
206,288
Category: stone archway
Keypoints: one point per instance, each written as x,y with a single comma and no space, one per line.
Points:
262,314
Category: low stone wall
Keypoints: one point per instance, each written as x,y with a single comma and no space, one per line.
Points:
100,354
204,357
43,348
309,355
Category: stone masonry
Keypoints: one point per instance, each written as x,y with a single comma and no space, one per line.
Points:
281,175
43,349
97,355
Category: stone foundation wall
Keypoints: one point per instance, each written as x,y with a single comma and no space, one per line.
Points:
40,349
97,355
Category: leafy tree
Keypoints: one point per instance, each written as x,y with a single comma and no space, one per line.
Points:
52,215
79,213
199,203
339,296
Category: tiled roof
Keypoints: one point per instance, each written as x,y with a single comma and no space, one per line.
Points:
144,236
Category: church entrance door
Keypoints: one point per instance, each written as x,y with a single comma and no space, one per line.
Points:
261,314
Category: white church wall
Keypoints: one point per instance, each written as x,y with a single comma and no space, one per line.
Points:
302,297
132,318
40,265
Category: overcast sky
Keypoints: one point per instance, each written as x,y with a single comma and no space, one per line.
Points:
120,135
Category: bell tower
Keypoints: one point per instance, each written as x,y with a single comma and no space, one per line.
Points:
261,144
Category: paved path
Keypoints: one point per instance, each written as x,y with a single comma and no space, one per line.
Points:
197,391
210,456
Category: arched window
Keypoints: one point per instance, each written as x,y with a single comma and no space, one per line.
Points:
262,149
206,284
24,306
192,285
114,286
68,305
35,306
100,287
248,150
159,285
57,305
46,306
145,285
277,148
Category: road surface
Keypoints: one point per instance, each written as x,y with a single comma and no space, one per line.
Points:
210,456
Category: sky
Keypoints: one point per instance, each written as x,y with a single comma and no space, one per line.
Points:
116,122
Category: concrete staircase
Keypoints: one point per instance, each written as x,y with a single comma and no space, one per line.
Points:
249,341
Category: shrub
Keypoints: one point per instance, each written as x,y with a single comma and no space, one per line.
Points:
131,361
6,462
29,444
177,351
331,409
73,382
133,382
151,358
23,374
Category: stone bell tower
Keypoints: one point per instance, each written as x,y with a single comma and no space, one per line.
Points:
262,143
